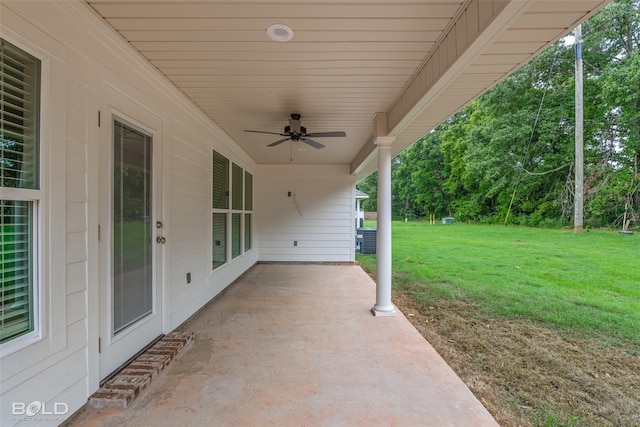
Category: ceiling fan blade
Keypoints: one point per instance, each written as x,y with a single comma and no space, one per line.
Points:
326,134
311,142
270,133
278,142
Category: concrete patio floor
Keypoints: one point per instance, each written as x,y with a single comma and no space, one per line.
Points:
296,345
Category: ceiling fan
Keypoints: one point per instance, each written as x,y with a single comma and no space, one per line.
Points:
296,132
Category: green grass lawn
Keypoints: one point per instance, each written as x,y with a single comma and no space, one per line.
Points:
586,283
133,245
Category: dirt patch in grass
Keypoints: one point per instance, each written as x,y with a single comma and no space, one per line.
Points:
527,374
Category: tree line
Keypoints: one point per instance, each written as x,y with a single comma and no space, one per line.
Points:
508,156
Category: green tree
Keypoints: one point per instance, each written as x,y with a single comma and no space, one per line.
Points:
510,153
369,185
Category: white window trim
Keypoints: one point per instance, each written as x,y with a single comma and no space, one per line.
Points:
246,211
233,211
224,211
230,211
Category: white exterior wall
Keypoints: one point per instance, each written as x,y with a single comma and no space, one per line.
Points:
322,222
80,55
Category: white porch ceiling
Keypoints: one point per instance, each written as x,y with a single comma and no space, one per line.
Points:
418,61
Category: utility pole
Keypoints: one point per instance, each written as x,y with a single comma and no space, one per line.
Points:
579,161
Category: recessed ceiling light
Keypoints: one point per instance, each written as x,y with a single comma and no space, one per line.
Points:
279,33
302,149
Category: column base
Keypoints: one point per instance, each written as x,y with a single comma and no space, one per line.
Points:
384,312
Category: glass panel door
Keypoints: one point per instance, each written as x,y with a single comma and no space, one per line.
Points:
132,290
130,233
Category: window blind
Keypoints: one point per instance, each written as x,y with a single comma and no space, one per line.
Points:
248,191
16,235
19,169
219,225
247,232
220,181
235,234
236,187
19,117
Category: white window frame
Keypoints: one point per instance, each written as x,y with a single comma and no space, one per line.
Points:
239,212
37,199
26,339
246,212
226,211
230,211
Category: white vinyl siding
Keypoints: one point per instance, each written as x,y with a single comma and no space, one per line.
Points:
19,179
315,223
80,54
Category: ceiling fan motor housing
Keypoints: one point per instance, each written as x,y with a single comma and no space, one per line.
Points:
287,131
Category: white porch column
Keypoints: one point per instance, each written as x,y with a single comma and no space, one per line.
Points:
383,306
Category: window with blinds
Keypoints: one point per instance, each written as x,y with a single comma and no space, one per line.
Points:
236,232
219,222
248,207
236,187
220,181
248,191
19,171
237,198
220,204
247,232
231,206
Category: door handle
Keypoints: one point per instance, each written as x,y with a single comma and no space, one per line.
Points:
160,239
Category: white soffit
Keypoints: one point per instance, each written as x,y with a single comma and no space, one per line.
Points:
418,60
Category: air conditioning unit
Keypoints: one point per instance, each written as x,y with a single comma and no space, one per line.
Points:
366,237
